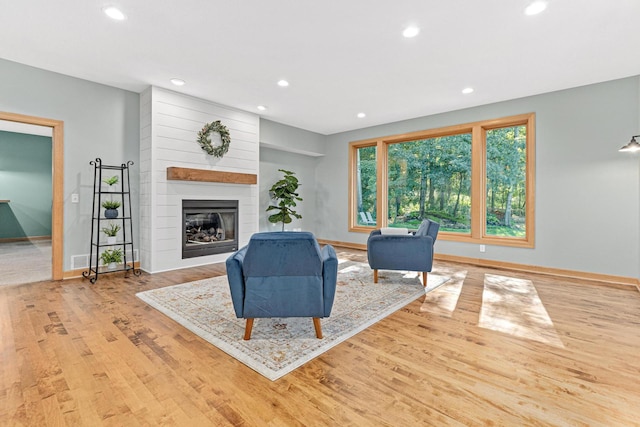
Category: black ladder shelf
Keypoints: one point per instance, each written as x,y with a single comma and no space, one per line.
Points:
119,191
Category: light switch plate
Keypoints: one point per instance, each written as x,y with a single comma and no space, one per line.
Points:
75,198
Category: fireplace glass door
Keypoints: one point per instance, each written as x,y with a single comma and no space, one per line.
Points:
210,227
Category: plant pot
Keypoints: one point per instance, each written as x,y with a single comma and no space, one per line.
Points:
111,240
111,213
112,266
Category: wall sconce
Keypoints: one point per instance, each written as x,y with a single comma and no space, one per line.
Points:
632,147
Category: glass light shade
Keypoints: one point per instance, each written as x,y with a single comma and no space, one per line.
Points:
632,147
114,13
535,7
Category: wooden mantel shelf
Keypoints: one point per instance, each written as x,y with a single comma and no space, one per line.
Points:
204,175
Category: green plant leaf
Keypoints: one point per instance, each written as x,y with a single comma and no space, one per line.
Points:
284,192
111,180
111,204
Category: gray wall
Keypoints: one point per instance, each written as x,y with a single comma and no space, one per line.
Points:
99,121
288,138
25,179
587,204
304,168
587,194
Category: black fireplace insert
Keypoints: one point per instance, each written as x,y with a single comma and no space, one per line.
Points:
209,227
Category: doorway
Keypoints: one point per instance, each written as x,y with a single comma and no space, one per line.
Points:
57,173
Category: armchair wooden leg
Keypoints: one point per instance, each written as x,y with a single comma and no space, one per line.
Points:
316,324
247,329
375,276
424,279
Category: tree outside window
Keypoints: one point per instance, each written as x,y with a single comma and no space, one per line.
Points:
366,181
506,181
431,178
475,179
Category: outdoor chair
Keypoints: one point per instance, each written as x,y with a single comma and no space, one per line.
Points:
367,219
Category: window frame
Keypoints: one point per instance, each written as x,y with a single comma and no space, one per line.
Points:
353,183
478,131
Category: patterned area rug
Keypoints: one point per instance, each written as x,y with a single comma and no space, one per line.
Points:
280,345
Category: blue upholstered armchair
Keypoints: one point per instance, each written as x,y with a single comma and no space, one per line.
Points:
403,251
283,274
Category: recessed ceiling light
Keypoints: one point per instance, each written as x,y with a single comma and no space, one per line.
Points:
467,90
411,31
283,83
178,82
114,13
262,107
361,115
535,7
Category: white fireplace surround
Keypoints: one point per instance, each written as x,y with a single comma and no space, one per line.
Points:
169,123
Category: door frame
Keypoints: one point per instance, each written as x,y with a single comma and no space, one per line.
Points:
57,172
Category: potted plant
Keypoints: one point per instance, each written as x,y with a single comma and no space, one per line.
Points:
111,231
111,258
111,181
284,192
111,208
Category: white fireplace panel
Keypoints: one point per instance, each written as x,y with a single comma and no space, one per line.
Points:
170,122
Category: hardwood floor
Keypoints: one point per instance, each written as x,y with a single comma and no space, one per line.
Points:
491,347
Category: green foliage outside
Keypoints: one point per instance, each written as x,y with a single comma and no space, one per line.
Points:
431,178
366,180
284,192
506,169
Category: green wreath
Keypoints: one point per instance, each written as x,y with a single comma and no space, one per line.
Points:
204,138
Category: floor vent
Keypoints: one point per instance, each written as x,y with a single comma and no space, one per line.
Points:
79,261
82,261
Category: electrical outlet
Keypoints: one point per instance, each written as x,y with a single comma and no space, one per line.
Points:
483,248
75,198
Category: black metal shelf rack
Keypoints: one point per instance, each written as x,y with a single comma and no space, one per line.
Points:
124,241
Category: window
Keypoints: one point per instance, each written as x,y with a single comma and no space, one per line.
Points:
506,164
430,178
476,180
364,161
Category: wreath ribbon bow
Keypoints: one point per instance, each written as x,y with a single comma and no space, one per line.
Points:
204,138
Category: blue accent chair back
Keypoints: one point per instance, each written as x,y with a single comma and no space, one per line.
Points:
282,274
403,252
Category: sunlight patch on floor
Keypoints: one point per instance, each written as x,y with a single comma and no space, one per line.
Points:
351,269
443,301
512,306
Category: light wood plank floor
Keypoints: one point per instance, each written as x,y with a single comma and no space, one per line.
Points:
491,347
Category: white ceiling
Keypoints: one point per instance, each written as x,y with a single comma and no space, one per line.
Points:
340,57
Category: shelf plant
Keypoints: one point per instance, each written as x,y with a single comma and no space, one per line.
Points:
111,208
111,257
284,192
112,180
111,232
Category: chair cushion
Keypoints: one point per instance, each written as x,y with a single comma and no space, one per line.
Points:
393,230
424,228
